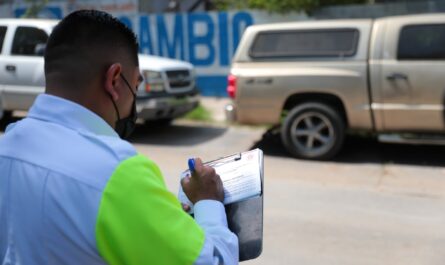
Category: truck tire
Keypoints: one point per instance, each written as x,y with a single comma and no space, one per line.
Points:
6,115
313,131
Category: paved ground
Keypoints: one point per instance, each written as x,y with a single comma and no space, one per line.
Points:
376,204
216,107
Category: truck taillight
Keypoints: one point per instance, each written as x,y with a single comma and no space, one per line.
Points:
231,86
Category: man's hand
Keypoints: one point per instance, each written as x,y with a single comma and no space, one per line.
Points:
185,207
203,184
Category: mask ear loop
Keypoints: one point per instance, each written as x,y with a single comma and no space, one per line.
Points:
128,85
115,107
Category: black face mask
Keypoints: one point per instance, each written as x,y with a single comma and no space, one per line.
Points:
125,126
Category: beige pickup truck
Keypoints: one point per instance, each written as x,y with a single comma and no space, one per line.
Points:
319,79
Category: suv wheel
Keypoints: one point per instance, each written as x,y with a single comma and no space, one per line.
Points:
6,115
313,131
160,122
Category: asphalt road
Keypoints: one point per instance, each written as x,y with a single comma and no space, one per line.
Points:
375,204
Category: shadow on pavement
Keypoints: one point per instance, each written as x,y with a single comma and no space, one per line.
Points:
358,149
175,134
169,135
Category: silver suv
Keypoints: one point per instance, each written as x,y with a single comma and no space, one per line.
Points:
169,90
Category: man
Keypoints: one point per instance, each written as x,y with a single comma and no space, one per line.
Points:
73,192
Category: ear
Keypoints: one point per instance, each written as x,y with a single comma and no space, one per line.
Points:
111,79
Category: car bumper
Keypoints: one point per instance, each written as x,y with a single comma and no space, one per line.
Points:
169,107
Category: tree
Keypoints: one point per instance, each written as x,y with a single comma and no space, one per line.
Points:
34,8
282,6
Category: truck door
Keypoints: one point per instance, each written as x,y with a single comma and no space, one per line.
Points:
412,75
21,68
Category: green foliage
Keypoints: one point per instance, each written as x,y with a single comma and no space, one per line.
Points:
282,6
231,4
200,113
35,6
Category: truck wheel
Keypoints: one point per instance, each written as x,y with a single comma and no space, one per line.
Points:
313,131
6,115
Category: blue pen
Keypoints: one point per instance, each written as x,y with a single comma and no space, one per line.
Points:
191,165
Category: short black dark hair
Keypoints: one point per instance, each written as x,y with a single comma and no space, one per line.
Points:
85,43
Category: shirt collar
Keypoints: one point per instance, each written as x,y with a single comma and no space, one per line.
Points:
69,114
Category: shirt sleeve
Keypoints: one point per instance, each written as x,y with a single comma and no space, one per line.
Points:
140,222
221,245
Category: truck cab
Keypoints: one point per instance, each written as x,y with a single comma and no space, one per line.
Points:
407,73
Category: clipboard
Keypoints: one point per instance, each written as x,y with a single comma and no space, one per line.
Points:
245,217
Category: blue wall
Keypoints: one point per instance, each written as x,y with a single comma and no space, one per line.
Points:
207,40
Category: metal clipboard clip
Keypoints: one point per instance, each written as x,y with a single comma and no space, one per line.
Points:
224,160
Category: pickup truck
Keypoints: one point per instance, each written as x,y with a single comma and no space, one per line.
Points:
319,79
169,90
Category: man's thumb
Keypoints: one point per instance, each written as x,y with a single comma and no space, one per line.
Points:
185,182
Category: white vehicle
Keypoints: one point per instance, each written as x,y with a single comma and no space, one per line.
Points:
168,92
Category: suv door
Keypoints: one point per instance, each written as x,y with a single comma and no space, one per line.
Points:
22,68
413,80
3,30
2,36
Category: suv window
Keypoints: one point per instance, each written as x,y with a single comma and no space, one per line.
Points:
2,37
29,41
305,43
422,42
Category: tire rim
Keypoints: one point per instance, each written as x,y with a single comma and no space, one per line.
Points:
312,133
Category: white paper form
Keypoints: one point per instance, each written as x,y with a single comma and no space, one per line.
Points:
240,174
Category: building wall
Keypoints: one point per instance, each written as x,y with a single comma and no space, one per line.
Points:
208,39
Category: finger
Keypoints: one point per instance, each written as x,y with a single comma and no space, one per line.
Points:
198,164
185,207
219,181
185,182
218,177
212,171
208,172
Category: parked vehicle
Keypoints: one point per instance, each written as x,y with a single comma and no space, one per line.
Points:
320,78
168,92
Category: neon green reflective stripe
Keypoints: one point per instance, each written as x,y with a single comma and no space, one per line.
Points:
141,222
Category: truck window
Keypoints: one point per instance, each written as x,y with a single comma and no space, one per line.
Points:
305,43
2,37
422,42
28,41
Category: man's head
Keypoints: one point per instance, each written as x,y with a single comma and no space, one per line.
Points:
88,59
